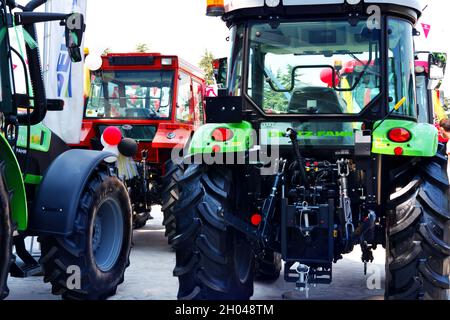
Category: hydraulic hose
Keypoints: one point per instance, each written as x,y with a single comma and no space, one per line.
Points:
37,82
35,69
292,134
32,5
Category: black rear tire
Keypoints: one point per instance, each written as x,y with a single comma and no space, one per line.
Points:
99,245
418,233
213,261
268,266
6,235
170,195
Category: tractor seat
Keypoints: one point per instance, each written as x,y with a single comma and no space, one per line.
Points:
315,100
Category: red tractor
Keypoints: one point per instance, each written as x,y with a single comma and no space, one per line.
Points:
154,99
429,92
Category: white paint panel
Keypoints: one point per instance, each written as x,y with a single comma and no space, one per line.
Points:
232,5
63,79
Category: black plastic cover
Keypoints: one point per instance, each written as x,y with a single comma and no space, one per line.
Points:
224,109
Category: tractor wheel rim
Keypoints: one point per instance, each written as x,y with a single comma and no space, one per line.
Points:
108,235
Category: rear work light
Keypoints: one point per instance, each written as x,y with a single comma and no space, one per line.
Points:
166,61
215,8
399,135
222,134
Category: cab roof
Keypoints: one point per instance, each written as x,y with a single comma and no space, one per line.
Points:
132,59
233,5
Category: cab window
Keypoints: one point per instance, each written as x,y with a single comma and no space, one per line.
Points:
184,98
198,103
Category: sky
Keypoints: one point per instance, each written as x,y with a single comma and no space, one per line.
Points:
178,27
436,15
181,27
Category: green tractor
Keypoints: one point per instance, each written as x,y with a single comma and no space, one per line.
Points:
71,200
302,161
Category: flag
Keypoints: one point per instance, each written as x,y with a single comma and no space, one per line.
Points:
63,79
426,29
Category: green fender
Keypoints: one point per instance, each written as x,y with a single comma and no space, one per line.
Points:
203,143
40,137
15,185
40,140
423,143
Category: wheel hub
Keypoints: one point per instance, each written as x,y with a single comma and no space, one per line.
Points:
97,233
107,238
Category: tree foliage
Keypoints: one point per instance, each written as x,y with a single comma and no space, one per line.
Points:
206,64
107,51
278,102
142,47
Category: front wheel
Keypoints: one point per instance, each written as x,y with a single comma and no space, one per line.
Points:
418,233
6,235
213,260
90,263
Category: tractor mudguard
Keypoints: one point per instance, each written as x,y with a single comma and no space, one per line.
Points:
14,184
241,139
423,142
59,193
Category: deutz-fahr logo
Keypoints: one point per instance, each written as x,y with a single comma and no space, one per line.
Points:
307,134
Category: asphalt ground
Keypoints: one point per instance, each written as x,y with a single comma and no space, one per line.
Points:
150,276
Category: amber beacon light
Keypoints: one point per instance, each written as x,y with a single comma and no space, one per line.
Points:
215,8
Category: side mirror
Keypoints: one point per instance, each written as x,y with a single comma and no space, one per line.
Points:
220,67
75,28
438,63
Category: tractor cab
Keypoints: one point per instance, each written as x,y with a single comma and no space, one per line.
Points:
148,96
323,69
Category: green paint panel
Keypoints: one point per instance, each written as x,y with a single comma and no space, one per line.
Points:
203,142
15,185
32,179
40,138
423,143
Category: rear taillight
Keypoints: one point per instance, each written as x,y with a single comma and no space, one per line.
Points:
256,219
399,135
216,149
222,134
398,151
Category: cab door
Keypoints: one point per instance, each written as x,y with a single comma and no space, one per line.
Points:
185,101
199,114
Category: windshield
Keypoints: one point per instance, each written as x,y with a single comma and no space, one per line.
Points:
401,66
422,98
314,67
130,94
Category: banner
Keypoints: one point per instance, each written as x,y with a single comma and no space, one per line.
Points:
63,79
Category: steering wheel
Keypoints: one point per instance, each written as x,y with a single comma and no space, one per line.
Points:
139,113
